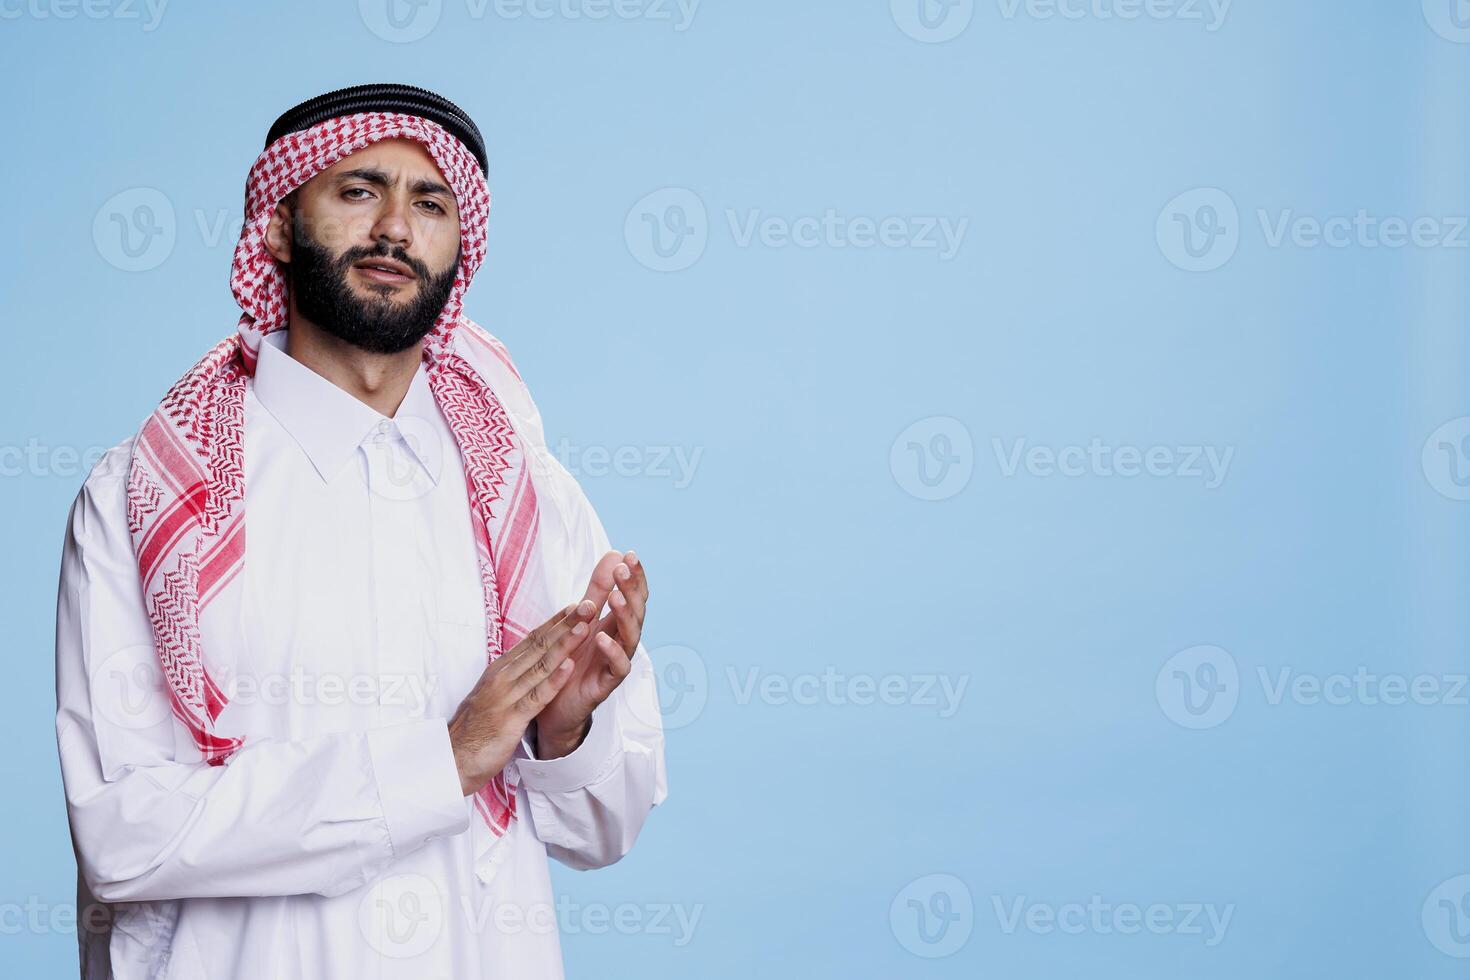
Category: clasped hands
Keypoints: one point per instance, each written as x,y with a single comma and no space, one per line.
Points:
555,677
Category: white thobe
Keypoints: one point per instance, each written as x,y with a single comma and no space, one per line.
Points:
336,842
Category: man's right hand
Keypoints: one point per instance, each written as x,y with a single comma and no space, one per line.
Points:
488,724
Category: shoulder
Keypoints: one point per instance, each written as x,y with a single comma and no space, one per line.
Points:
491,359
100,511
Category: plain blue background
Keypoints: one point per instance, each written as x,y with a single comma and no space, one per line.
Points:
798,832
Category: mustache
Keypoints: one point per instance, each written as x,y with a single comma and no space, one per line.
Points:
354,255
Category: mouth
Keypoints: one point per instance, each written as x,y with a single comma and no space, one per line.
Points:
387,271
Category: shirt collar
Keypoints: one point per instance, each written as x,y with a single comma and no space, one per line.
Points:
327,422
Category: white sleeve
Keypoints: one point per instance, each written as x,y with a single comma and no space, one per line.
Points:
588,806
320,815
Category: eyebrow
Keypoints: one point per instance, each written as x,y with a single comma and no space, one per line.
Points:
381,178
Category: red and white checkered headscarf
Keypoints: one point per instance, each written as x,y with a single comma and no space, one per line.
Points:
186,484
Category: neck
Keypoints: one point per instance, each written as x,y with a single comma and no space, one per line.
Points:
378,380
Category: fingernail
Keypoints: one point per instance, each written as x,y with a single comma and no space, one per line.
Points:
630,558
579,629
622,571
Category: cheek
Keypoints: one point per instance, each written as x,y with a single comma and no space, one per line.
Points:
439,247
336,230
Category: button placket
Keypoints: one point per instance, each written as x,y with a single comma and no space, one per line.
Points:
400,681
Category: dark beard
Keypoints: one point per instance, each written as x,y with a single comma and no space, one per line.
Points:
318,284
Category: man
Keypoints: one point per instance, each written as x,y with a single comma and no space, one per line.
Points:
343,744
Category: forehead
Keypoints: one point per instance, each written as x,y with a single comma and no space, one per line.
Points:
399,157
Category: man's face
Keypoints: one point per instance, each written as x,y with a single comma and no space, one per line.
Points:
373,246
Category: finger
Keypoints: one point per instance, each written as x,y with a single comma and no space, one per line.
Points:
633,585
544,666
545,637
640,572
601,582
541,694
629,616
619,663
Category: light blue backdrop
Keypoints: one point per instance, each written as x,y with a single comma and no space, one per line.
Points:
1044,423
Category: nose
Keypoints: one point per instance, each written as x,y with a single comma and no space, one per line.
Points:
391,225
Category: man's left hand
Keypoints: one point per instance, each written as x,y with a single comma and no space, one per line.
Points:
603,660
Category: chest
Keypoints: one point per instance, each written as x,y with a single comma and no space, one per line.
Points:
360,602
